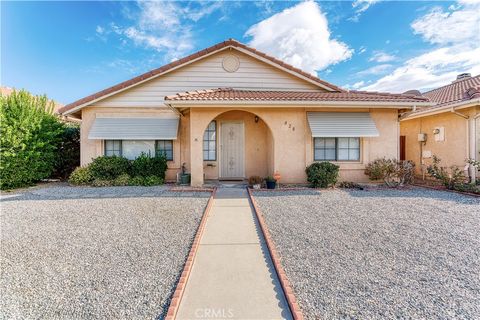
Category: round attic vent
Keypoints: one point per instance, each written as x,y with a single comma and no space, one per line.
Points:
231,63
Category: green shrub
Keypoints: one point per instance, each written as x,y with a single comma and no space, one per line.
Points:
29,136
122,180
146,181
102,183
349,185
449,177
145,166
467,187
68,151
153,181
109,168
81,176
322,174
393,173
377,169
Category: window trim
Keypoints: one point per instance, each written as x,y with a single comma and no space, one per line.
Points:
337,149
208,140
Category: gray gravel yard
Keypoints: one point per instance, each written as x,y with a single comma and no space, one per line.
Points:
94,253
380,253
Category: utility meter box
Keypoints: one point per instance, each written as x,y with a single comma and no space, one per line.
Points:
439,133
426,154
422,137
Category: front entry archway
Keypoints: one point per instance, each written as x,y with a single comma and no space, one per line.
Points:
244,145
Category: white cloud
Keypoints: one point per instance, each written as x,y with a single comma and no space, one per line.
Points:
380,56
360,6
356,85
362,50
375,70
166,27
459,24
430,70
300,36
457,34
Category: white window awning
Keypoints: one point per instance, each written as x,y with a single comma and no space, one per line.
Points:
134,129
342,124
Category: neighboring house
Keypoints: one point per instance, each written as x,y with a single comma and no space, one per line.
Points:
230,112
451,128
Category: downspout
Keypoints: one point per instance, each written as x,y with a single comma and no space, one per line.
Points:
175,110
470,141
473,147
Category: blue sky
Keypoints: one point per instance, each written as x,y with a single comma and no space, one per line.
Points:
68,50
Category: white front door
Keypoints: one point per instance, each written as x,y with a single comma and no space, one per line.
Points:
232,157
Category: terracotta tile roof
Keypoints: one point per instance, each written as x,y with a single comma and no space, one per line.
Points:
229,94
461,90
196,55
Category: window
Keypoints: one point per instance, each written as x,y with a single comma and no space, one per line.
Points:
113,147
131,149
210,142
336,149
165,147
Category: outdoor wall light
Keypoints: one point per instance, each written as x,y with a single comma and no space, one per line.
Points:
256,119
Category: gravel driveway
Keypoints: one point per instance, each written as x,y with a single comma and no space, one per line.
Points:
379,254
94,253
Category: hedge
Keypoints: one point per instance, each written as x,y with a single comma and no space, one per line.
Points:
29,137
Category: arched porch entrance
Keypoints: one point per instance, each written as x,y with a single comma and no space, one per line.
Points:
233,145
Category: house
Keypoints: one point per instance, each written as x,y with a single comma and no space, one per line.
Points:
230,112
450,129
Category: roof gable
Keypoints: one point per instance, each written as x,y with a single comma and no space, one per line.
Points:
253,53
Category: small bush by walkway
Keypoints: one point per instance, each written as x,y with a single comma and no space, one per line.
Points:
378,254
94,253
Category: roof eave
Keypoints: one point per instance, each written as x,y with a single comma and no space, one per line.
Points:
442,109
226,103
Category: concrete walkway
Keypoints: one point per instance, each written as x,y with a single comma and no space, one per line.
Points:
233,276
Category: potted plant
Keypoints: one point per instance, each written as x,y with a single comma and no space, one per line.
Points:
185,177
271,182
255,182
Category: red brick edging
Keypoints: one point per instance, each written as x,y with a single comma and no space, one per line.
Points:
287,289
447,190
177,295
190,189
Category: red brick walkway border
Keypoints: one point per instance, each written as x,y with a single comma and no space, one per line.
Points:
177,295
291,300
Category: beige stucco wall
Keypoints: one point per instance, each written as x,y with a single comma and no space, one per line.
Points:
90,149
280,142
292,141
452,151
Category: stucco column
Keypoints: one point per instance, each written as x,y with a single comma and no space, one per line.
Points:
196,149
